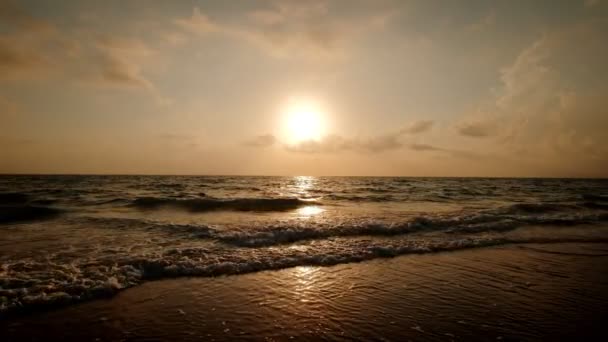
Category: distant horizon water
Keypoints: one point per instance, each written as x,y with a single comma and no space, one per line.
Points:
291,175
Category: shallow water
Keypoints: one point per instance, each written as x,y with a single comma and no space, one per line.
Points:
64,239
543,292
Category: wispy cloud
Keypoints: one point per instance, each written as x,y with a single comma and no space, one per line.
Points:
25,42
289,28
118,62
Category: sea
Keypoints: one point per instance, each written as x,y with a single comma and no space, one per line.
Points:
65,239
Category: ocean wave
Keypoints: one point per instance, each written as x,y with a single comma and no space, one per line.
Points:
360,198
119,223
28,285
213,204
270,235
24,213
13,198
594,197
540,207
264,233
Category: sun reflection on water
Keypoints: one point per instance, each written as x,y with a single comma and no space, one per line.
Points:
305,287
304,183
309,211
302,186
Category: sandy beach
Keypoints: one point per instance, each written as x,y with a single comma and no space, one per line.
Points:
513,292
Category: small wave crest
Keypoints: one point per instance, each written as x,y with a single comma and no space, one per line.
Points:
282,234
212,204
360,198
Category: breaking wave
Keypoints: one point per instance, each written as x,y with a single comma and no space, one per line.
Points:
212,204
270,235
39,284
20,207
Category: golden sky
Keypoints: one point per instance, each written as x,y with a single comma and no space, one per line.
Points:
320,87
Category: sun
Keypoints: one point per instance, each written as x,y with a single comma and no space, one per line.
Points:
303,120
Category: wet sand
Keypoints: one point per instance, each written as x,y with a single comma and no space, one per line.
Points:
516,292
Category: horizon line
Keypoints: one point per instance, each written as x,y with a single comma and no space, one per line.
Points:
284,175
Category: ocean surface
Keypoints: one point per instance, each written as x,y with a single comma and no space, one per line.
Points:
65,239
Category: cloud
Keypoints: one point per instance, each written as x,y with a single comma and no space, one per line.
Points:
16,17
8,108
12,141
425,147
265,140
591,3
337,143
550,111
25,43
290,28
32,48
484,23
418,127
374,144
176,137
198,23
477,129
16,60
452,152
118,62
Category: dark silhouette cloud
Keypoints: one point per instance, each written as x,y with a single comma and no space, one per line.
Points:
336,143
425,147
265,140
418,127
12,141
476,129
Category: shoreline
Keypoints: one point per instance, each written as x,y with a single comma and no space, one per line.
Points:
480,293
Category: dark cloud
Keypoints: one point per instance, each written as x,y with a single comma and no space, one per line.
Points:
176,137
448,151
476,129
14,58
265,140
374,144
425,147
23,42
14,141
418,127
336,143
11,14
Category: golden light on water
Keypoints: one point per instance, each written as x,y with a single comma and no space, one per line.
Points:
303,184
304,286
310,211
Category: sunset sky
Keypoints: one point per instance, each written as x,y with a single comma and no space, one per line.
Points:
350,87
